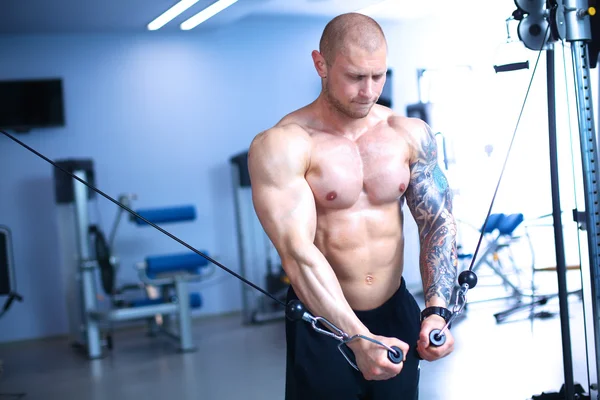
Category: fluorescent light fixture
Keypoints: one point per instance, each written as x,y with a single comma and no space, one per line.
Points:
171,13
207,13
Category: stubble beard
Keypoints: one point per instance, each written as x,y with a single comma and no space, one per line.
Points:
343,109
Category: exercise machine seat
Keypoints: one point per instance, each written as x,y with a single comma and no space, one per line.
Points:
165,215
509,223
493,222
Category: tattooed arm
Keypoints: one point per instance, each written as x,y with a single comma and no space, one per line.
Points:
430,202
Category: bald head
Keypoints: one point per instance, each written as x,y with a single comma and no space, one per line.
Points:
347,30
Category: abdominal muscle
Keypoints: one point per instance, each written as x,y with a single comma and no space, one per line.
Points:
364,246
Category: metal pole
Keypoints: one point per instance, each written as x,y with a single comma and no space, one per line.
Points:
186,342
591,177
237,184
87,271
578,32
559,243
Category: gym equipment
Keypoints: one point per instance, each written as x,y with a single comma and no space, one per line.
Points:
499,233
8,284
542,23
511,55
162,293
7,275
255,249
295,311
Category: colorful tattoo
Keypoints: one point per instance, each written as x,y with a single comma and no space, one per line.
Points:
429,199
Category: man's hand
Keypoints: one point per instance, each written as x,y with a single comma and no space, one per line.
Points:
372,359
426,350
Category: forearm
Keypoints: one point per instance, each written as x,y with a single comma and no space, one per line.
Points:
438,261
318,288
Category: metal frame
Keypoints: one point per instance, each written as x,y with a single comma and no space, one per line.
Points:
570,21
246,291
578,33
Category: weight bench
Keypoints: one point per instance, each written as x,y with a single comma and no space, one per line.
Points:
166,274
165,279
499,232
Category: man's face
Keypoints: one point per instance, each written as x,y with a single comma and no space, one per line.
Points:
355,80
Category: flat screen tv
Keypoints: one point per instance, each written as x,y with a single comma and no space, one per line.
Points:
31,103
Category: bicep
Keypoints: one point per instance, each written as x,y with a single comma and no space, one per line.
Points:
287,213
282,198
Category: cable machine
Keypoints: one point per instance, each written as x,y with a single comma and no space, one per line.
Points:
8,286
541,23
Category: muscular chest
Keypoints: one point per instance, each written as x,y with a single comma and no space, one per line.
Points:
375,166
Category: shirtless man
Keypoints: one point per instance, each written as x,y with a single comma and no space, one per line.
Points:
328,184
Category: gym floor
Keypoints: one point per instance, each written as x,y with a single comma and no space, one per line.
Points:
513,360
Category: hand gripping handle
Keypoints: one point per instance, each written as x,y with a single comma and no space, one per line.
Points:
466,279
396,358
436,338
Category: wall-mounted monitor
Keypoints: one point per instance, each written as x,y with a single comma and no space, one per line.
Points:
31,103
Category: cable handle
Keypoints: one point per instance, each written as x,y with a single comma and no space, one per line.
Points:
295,311
467,280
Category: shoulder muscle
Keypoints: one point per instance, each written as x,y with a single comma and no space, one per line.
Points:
419,136
279,153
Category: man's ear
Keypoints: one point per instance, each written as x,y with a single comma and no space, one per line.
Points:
320,64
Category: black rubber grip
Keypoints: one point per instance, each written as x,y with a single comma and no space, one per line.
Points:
396,358
436,339
294,310
511,67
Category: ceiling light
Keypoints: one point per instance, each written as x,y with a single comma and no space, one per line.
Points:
207,13
171,13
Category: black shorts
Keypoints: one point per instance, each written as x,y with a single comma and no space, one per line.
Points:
316,369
